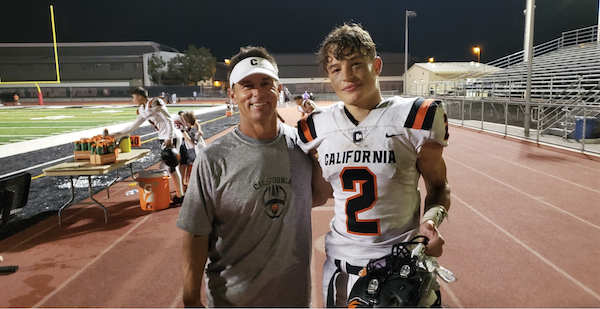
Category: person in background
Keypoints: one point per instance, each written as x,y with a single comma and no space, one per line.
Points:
305,95
185,121
385,146
155,111
248,205
16,98
287,96
305,107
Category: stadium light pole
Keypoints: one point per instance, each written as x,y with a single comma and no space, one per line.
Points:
528,58
408,15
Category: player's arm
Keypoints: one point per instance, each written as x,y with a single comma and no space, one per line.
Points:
194,256
187,137
432,167
321,189
139,120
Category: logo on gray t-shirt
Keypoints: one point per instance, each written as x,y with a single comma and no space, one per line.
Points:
274,199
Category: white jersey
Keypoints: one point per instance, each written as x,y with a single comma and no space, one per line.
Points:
372,168
155,111
307,106
182,126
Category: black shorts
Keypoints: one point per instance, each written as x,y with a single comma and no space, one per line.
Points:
188,155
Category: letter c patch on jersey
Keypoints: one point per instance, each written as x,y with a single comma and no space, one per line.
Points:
421,114
306,129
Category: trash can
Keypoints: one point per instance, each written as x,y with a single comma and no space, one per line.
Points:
590,122
154,190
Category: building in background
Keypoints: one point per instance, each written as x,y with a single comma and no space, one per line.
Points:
440,77
97,63
109,70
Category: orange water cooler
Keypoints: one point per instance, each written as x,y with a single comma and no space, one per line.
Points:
154,190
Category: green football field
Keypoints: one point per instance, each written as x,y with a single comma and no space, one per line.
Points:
22,124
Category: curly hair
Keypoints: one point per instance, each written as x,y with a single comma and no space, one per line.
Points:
345,41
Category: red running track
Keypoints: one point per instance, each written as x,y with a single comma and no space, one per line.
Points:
523,231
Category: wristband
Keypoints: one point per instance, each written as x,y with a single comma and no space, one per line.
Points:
436,214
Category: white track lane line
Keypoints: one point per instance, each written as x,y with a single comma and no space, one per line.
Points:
43,231
537,254
529,168
90,263
527,194
532,144
446,287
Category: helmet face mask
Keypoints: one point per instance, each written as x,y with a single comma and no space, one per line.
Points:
393,280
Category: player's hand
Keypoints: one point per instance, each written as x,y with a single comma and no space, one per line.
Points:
168,143
436,241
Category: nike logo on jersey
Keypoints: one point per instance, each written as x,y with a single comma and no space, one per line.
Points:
392,135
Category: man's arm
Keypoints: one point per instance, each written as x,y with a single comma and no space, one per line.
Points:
195,253
432,167
321,189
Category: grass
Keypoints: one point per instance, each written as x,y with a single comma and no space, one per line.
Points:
23,124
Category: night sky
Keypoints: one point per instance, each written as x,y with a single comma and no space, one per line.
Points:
444,29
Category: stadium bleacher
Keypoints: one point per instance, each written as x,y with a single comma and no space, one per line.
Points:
565,89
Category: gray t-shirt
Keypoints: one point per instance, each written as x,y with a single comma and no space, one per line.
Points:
253,198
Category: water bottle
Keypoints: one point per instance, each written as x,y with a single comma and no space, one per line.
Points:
131,192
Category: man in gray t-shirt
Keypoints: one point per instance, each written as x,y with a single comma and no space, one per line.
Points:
247,207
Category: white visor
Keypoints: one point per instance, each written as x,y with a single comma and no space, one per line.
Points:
252,65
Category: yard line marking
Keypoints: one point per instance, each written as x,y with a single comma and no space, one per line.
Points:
527,194
90,263
537,254
53,127
529,168
26,135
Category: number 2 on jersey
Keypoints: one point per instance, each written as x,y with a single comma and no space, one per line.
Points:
364,200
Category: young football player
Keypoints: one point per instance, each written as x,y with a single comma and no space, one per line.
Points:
373,151
305,107
185,121
155,111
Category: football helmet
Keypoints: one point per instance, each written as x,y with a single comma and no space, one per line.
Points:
394,280
170,156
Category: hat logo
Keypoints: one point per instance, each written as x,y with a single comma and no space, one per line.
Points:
253,61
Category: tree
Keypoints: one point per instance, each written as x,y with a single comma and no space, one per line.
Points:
194,65
155,68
